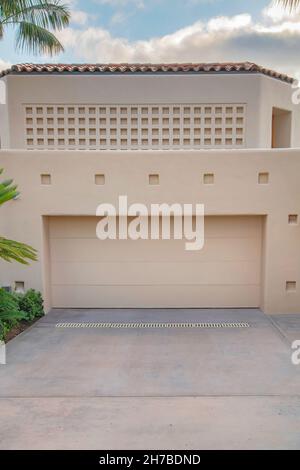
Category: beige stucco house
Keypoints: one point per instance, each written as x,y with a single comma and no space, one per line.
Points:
225,135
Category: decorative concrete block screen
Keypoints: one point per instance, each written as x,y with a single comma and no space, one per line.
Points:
134,126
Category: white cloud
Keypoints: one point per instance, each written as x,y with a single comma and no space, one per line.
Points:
4,64
121,3
224,23
273,44
277,13
119,17
79,17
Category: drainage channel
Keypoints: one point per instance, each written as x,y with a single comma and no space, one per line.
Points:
151,325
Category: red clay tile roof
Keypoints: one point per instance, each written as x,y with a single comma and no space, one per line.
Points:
241,67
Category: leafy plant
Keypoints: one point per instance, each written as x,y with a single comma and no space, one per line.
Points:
31,304
34,20
10,313
18,307
11,250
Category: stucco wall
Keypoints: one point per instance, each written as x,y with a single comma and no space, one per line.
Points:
258,92
274,93
235,192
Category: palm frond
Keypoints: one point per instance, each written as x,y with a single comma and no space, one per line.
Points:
290,5
35,20
8,191
11,250
7,194
37,40
42,13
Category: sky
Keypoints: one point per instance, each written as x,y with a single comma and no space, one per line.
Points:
174,31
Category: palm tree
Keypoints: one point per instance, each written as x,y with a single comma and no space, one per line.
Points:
34,21
9,249
289,4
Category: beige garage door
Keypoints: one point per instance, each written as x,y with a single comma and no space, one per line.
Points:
87,272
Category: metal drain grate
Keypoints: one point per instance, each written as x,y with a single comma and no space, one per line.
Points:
152,325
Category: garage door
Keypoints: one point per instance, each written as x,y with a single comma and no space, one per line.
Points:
87,272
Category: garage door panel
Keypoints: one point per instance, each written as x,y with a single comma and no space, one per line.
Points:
226,226
155,273
155,296
73,227
215,249
233,227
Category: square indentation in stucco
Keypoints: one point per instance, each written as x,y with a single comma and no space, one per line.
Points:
293,219
154,179
208,178
100,179
263,178
291,286
46,179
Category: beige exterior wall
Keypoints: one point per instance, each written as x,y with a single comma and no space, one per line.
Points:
235,192
257,92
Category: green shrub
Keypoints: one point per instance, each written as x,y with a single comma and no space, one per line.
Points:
10,313
17,307
31,304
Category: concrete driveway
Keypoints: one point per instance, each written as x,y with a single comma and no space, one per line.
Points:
94,388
